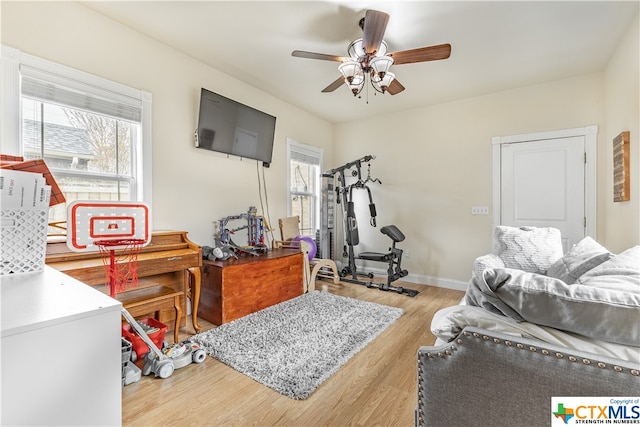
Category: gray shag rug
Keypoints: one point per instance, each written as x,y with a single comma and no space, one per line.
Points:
294,346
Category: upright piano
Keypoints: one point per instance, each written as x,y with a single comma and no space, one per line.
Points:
168,274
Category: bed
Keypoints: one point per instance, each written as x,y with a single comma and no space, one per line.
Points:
530,331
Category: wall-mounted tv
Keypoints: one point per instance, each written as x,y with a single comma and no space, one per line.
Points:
229,127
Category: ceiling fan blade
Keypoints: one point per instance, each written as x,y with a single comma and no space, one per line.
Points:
323,56
421,54
335,85
375,24
395,87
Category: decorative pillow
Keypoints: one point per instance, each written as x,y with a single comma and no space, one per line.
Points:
622,272
484,262
530,249
582,257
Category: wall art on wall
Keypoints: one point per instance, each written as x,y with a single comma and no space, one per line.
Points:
621,185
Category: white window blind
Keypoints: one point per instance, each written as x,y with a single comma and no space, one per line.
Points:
304,154
46,86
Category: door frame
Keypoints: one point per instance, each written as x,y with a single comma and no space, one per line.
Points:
590,137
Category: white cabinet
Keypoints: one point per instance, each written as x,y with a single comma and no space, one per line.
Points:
60,352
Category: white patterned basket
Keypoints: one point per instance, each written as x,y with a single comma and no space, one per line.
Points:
23,243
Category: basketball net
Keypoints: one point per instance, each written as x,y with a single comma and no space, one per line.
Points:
121,265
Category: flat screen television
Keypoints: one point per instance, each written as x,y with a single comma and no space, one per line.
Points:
229,127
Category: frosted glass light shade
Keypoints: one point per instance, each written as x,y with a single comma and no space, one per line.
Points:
350,70
381,65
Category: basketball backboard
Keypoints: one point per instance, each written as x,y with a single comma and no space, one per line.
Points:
89,221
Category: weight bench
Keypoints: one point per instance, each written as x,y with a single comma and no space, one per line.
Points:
393,259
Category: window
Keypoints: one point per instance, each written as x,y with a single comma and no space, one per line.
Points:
93,134
304,185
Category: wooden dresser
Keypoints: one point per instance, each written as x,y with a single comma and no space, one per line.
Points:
168,272
237,287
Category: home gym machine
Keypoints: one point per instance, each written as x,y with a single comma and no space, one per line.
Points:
344,197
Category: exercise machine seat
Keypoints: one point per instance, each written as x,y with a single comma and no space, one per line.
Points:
374,256
394,234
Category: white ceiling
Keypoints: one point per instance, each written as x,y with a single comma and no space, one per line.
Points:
495,45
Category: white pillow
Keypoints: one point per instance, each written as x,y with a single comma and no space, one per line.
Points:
621,272
529,249
484,262
582,257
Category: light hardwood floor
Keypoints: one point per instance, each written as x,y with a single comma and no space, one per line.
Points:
377,387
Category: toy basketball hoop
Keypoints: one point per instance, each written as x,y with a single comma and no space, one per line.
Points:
118,230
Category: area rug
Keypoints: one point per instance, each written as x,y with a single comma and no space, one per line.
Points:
294,346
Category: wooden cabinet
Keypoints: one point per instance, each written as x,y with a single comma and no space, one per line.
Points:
61,352
168,272
237,287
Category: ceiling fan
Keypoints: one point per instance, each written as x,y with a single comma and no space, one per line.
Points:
368,58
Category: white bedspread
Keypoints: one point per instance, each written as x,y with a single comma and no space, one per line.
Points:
449,322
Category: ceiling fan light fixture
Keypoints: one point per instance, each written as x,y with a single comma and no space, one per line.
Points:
382,50
356,49
382,84
381,65
356,85
350,70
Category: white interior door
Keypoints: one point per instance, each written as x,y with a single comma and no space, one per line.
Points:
547,179
543,185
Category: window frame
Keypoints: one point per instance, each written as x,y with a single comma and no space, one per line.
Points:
12,60
293,147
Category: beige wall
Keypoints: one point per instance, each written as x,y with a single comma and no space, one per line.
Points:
191,187
619,227
435,164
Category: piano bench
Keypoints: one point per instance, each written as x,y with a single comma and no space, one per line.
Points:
152,299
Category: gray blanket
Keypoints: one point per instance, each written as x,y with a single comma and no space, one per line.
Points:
610,312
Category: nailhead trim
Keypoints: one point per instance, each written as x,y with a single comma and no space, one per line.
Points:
449,351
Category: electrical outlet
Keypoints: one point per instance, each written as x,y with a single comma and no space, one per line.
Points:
479,210
406,253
